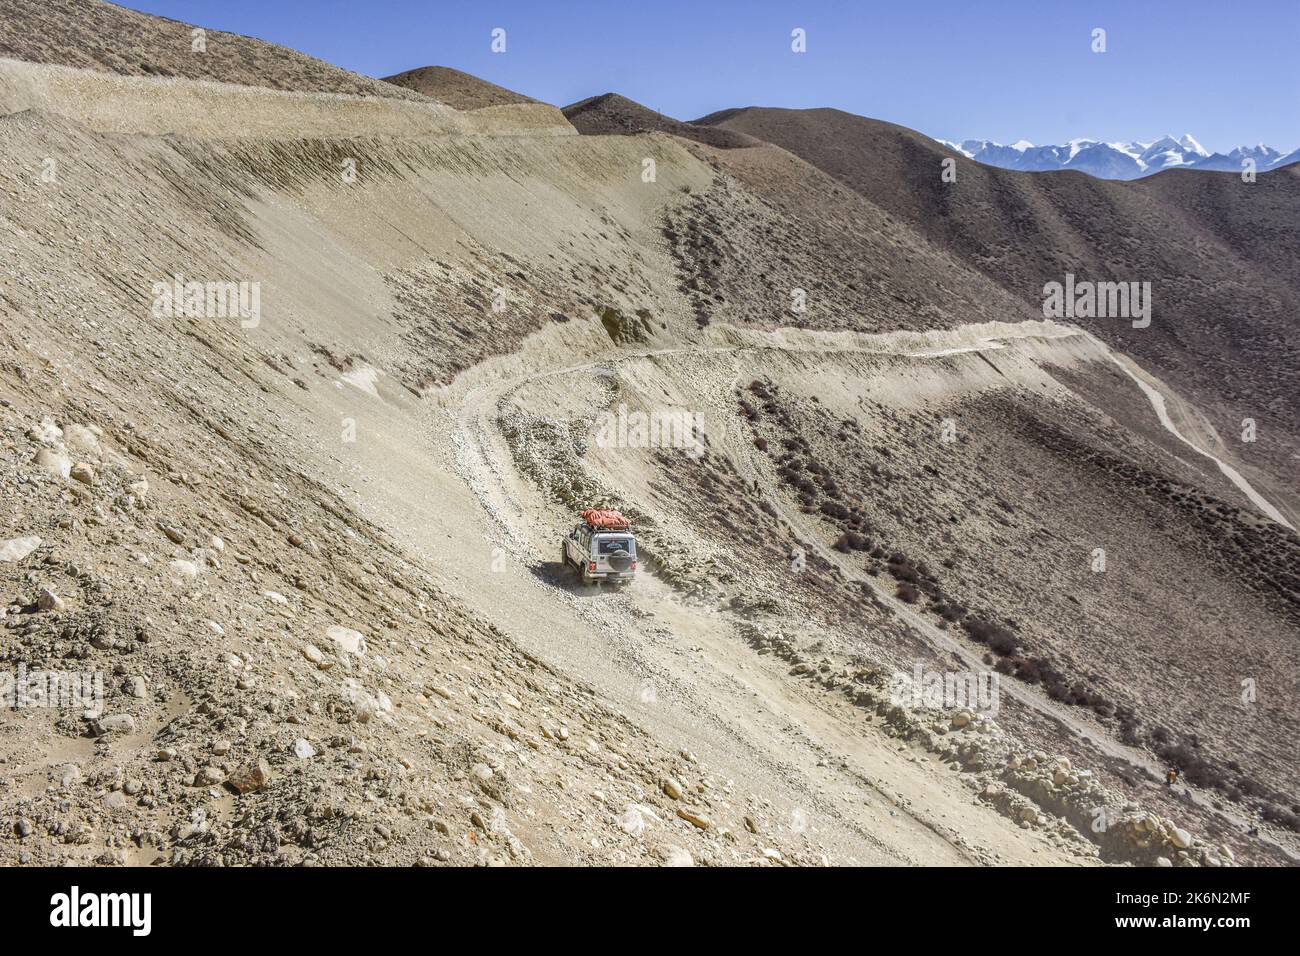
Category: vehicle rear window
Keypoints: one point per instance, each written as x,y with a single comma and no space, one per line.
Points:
610,545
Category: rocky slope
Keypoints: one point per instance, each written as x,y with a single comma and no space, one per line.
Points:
1209,244
101,36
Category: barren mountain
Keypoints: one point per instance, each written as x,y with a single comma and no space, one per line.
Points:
611,114
1225,293
94,35
458,90
307,537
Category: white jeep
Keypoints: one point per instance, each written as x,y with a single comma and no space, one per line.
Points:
600,554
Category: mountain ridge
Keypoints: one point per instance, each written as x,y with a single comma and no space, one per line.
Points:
1117,159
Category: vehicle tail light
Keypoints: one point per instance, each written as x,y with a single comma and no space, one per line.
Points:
633,565
591,566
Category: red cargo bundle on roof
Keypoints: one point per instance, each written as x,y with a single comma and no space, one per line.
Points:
606,520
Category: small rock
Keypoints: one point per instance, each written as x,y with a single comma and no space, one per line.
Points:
83,473
47,432
47,600
692,817
208,777
183,570
346,640
672,788
174,535
303,750
253,777
632,822
113,723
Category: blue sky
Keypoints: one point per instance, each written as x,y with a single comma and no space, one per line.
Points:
998,69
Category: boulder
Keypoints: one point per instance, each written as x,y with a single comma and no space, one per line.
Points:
52,463
15,549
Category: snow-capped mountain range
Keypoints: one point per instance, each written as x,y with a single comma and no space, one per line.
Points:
1120,160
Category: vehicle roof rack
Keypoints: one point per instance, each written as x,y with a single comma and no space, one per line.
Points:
604,519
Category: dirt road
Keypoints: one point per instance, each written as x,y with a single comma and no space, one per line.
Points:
677,668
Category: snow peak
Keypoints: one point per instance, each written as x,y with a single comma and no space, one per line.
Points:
134,910
1100,300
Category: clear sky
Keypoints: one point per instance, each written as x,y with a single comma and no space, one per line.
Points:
1228,73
